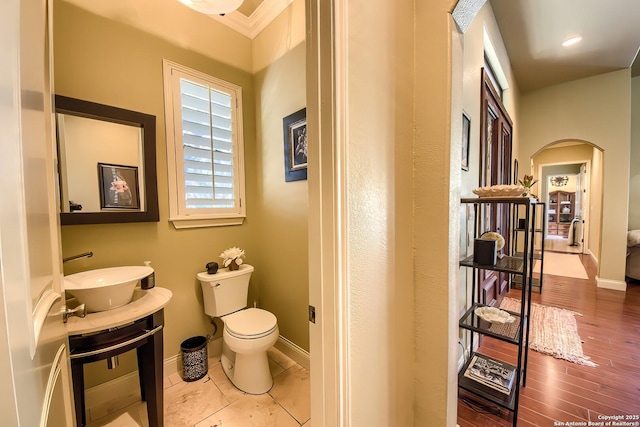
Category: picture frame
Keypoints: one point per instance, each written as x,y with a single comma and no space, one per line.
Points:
118,187
295,146
466,136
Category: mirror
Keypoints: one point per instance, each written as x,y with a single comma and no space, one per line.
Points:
107,163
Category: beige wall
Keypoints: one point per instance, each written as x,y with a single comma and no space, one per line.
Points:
175,23
111,143
102,61
281,207
596,110
634,181
474,53
282,35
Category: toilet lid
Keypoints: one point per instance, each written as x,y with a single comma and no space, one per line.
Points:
251,322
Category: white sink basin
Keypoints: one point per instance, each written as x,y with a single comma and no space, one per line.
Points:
105,288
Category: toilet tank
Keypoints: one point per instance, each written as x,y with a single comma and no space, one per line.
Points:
226,291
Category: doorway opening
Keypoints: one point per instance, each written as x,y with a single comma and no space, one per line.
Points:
570,183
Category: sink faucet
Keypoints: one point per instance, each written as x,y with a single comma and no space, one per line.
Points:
74,257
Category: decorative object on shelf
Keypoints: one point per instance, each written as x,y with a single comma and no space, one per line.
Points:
484,251
213,7
212,267
492,373
492,235
232,258
494,315
466,136
499,191
559,181
527,182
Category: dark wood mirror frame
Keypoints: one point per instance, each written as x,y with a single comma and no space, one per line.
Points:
147,123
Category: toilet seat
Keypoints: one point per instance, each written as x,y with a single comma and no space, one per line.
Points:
252,323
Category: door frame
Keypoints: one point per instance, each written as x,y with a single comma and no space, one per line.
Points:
326,104
585,217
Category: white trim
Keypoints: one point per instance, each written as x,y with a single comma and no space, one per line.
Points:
102,393
191,222
616,285
179,215
326,105
294,351
122,386
259,20
41,310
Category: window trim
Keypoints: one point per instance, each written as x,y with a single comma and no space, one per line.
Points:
211,219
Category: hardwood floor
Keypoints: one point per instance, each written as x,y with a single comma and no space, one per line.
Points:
558,391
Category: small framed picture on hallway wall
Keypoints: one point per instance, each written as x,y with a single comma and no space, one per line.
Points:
466,136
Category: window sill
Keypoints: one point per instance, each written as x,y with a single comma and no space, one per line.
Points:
199,222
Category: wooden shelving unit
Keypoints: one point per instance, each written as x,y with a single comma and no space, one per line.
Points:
562,210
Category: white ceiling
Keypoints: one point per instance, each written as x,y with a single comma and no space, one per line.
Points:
533,32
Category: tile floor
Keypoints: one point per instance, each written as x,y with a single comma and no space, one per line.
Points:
214,402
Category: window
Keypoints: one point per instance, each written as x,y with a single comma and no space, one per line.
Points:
204,149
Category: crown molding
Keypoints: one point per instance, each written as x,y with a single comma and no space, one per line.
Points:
259,20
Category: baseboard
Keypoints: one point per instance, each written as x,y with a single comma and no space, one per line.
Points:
121,386
616,285
593,257
295,352
102,393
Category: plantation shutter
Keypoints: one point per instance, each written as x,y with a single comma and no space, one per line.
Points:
207,146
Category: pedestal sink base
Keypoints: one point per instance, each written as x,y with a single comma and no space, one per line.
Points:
145,335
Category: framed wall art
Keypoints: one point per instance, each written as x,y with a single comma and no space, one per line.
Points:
295,146
466,136
118,186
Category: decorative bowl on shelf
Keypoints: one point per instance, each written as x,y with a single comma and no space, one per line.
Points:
500,191
492,235
494,315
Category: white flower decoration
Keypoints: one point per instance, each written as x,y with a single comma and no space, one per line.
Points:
231,254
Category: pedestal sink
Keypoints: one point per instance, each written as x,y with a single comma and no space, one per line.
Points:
106,288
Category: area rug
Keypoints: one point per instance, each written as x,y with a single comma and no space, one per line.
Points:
567,265
553,331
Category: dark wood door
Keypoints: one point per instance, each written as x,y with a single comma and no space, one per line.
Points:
495,169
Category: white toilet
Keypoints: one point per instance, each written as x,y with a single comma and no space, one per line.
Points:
248,332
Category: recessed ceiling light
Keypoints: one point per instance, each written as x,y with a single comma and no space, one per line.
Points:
571,41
